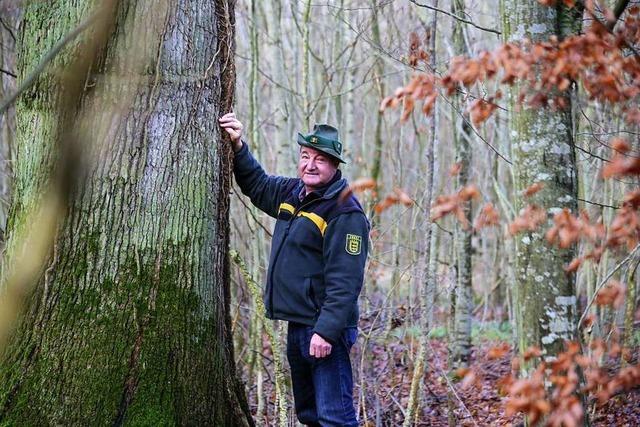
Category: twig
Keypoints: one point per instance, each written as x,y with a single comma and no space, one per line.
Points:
26,83
8,28
466,21
604,281
8,73
475,131
598,204
255,218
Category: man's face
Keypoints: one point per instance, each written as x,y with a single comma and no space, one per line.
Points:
315,168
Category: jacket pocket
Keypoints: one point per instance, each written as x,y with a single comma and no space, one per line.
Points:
311,294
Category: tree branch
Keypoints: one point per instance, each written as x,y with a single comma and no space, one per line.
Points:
604,282
618,10
597,204
466,21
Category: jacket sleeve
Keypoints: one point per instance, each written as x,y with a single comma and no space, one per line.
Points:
264,190
345,254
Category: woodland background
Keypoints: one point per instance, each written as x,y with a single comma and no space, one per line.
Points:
502,191
306,62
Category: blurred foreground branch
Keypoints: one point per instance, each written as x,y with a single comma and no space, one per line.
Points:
34,236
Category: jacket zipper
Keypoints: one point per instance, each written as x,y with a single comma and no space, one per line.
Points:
275,258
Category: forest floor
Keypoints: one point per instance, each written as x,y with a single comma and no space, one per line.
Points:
383,376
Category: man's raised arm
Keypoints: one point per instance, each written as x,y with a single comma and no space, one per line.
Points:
263,190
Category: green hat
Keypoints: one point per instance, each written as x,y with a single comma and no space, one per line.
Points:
323,138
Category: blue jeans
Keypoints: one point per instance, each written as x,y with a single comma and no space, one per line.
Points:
322,388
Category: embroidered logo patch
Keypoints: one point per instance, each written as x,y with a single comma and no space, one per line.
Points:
354,244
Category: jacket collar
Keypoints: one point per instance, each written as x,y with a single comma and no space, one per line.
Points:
328,191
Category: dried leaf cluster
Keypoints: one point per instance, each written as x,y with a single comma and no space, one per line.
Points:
552,392
598,58
454,204
398,196
567,229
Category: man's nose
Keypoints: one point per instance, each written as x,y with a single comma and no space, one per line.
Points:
311,164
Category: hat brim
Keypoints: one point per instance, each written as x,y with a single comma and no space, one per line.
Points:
303,142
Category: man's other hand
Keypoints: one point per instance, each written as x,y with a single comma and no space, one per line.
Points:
233,126
319,347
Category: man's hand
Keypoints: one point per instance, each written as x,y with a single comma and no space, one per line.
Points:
319,347
233,127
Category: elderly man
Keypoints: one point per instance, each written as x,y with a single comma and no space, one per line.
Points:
316,268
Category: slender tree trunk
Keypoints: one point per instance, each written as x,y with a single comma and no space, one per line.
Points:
544,151
464,290
130,321
306,71
375,172
630,305
427,290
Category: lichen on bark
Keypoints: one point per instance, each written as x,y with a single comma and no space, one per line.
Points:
543,151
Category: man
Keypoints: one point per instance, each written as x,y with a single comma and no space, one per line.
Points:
316,268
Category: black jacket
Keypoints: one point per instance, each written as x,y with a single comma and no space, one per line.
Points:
318,251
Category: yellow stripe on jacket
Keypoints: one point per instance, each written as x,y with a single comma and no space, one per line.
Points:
315,218
286,207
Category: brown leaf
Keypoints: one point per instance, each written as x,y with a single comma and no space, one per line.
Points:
469,192
362,184
528,220
470,378
386,103
531,352
533,189
612,294
455,169
498,352
385,204
480,110
574,265
403,197
487,217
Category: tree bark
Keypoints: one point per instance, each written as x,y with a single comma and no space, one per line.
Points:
543,151
10,15
129,323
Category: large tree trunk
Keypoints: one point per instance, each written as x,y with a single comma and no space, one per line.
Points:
129,322
543,151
